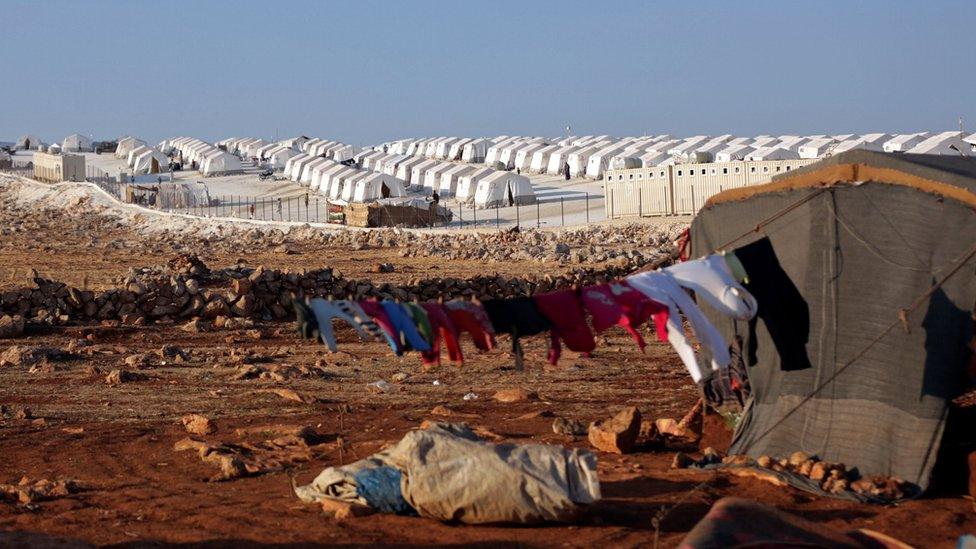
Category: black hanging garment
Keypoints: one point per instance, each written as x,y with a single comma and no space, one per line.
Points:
519,317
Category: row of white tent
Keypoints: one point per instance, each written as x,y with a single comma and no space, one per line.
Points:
590,156
373,174
483,187
209,159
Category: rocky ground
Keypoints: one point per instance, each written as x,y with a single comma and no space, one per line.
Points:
185,430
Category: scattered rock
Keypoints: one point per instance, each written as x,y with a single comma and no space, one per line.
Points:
444,411
380,386
116,377
618,434
196,424
26,355
138,360
536,414
572,427
195,326
682,461
515,395
11,326
399,377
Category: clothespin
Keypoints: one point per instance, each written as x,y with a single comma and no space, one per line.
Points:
903,316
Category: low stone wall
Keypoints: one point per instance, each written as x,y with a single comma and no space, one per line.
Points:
187,289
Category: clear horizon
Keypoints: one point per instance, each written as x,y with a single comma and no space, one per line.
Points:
367,72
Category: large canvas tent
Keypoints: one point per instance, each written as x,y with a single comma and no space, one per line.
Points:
503,189
376,186
150,161
126,144
842,366
468,184
29,142
218,162
450,178
475,151
77,143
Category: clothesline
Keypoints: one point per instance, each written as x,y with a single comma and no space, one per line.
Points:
628,303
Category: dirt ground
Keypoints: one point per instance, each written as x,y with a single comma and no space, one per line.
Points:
117,441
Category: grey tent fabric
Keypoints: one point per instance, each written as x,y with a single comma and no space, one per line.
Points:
856,254
449,474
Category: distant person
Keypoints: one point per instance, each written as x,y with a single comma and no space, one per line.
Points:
435,198
518,171
566,171
278,209
251,210
306,201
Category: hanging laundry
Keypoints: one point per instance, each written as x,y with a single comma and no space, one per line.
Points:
362,319
519,317
663,288
712,281
620,305
379,316
326,310
781,306
404,329
308,327
470,317
443,330
736,267
564,310
420,320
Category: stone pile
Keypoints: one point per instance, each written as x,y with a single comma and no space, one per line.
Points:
187,289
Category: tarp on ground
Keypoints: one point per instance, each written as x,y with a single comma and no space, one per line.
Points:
449,474
875,233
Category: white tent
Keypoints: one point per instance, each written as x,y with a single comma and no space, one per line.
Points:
904,142
432,176
475,151
77,143
626,160
338,181
523,155
325,180
126,144
734,152
540,158
299,166
278,158
443,148
794,142
306,175
218,162
559,158
772,153
377,185
946,143
404,170
292,163
599,161
449,179
869,142
151,161
686,146
816,148
707,151
503,189
318,171
130,160
349,185
454,152
468,184
29,142
390,166
367,160
418,172
251,151
577,160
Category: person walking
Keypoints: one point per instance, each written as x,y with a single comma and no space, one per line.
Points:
278,209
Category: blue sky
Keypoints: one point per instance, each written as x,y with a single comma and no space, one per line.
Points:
367,71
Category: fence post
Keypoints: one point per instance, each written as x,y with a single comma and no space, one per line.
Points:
587,208
562,212
693,198
496,217
610,196
518,216
316,209
474,212
538,216
640,203
461,215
